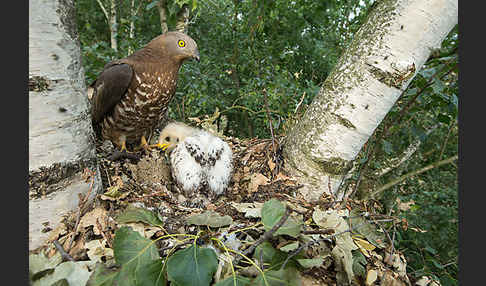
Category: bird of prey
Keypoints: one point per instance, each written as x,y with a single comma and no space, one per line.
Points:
197,158
130,97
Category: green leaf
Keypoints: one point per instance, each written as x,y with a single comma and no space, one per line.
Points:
139,215
62,282
367,229
40,265
387,147
210,218
270,255
102,276
139,259
130,247
436,264
230,281
272,212
289,247
431,250
312,262
192,266
74,272
359,263
147,274
283,277
444,118
151,5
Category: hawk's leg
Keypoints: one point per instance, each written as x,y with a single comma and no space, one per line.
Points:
144,145
123,153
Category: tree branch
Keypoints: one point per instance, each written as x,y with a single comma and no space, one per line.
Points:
104,11
267,235
397,161
411,174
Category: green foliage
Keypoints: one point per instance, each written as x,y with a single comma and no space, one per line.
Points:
429,103
140,215
285,47
192,266
253,52
234,281
272,212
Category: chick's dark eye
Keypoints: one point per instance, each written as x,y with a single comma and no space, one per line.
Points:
167,138
177,139
181,43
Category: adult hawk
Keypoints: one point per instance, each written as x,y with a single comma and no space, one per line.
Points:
131,95
197,158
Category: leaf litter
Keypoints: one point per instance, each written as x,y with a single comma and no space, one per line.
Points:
142,227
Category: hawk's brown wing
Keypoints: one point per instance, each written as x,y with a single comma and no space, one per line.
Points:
109,88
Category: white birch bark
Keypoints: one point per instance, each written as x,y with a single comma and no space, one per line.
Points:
161,6
384,56
113,25
183,19
133,13
112,22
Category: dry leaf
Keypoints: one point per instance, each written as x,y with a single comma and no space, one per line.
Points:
405,206
257,180
59,231
90,219
97,249
251,210
371,277
271,165
142,229
424,281
364,246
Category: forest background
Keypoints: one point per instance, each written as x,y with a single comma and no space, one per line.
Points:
277,54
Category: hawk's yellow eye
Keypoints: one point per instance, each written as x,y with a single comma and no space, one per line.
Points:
182,44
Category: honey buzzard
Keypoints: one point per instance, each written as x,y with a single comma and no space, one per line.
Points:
130,97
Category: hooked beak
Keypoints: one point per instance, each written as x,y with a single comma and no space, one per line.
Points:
196,55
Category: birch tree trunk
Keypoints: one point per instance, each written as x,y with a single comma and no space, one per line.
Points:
384,56
113,25
182,19
161,6
112,22
133,13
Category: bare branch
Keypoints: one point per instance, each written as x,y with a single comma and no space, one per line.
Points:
406,155
267,235
411,174
104,10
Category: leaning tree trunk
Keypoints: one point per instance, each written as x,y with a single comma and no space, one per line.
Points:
384,56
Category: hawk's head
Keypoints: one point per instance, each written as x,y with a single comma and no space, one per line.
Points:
176,45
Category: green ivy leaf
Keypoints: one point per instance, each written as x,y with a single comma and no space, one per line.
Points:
139,259
272,212
139,215
192,266
230,281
